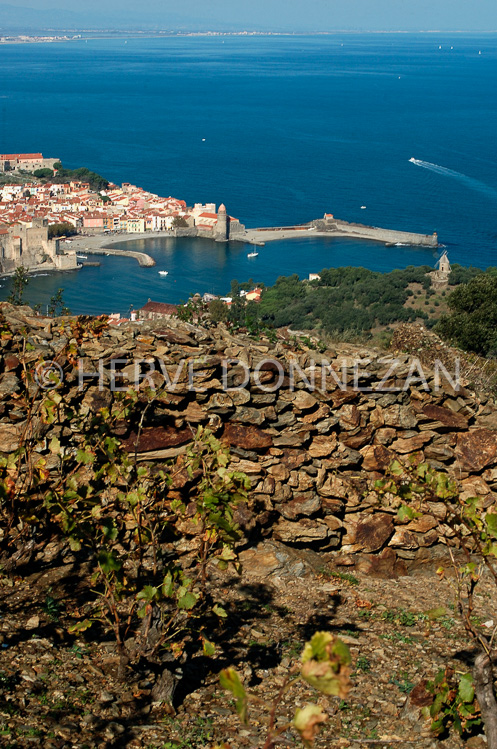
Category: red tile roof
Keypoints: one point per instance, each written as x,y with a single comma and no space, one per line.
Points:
166,309
23,156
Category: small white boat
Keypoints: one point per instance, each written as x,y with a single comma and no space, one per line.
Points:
163,273
363,207
82,257
252,254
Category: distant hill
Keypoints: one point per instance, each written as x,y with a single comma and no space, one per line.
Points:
15,18
19,19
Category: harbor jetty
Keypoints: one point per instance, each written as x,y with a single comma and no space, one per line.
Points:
329,226
102,244
117,214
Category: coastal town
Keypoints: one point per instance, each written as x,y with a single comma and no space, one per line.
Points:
125,209
42,205
38,39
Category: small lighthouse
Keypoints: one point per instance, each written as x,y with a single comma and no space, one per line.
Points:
222,226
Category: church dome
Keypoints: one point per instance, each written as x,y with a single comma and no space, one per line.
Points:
222,208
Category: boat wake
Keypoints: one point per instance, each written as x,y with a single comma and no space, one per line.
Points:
474,184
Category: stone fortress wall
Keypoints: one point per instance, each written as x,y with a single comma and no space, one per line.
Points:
31,248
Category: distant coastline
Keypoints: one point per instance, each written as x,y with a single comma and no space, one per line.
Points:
58,36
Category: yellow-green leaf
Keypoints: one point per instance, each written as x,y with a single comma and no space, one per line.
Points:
219,611
307,721
230,680
187,601
323,677
208,647
79,627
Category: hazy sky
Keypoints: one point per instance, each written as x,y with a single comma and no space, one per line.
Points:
292,14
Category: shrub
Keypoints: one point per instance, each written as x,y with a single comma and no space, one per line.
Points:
474,527
472,320
117,515
325,665
43,173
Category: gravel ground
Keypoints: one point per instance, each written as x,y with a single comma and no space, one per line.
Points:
58,691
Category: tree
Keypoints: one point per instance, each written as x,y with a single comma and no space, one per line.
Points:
43,173
20,281
236,314
180,222
57,306
96,181
218,311
64,229
472,320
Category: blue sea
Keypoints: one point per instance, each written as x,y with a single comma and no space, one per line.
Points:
294,127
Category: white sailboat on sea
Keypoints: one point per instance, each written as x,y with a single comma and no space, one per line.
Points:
163,273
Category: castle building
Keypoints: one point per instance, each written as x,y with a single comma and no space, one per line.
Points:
29,246
29,162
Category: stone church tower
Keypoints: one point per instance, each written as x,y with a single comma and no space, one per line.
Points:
222,227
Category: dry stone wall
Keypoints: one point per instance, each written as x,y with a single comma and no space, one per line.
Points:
312,453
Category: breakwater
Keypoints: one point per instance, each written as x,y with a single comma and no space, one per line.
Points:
374,233
102,245
331,227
